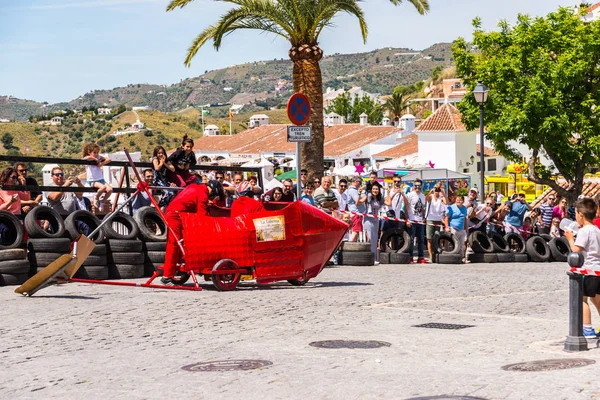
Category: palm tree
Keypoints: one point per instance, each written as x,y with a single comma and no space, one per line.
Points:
301,23
396,104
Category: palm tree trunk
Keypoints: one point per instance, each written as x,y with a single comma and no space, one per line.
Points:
306,78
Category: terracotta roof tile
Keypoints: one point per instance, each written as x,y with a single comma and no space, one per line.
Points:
593,7
410,145
487,151
339,139
590,189
445,119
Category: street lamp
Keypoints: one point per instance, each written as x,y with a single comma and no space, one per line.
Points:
481,95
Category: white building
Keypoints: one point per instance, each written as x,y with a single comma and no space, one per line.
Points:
4,120
258,120
355,92
333,119
211,130
141,108
592,13
56,121
137,125
104,111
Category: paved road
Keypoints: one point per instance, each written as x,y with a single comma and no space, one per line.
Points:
96,342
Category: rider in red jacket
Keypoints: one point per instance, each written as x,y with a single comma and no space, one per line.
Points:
193,199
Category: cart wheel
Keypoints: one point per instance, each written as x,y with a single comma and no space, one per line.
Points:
225,282
180,278
300,281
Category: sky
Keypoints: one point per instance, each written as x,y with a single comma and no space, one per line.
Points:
57,50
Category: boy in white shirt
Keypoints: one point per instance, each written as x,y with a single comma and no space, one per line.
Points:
588,243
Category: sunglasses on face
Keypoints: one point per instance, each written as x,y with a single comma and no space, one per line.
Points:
417,186
343,186
550,198
488,204
60,174
22,170
14,177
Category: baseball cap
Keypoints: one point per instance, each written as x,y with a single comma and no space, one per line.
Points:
474,189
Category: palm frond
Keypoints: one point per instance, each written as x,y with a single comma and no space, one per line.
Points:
422,6
178,3
331,8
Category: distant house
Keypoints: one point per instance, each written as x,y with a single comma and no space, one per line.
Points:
355,92
4,120
592,13
137,125
236,108
56,121
104,111
211,130
258,120
141,108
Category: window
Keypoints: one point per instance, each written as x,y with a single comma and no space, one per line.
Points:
491,166
465,170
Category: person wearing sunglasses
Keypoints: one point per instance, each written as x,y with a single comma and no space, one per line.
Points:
341,196
546,210
480,217
437,202
416,216
10,200
35,196
63,203
560,211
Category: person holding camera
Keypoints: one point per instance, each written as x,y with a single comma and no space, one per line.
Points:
396,199
437,202
416,216
514,219
64,203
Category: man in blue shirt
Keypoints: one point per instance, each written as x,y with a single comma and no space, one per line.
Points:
514,220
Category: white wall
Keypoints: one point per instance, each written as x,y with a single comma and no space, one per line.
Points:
465,148
439,148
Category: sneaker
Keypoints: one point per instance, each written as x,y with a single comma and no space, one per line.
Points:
411,261
167,281
377,262
421,261
589,333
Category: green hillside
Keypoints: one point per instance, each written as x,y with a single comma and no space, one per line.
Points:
378,71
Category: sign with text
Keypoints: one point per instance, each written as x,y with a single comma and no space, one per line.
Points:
299,134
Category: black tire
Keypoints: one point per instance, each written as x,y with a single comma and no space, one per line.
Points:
16,233
384,258
538,249
559,248
87,218
506,257
148,218
298,282
14,267
42,260
357,258
399,258
435,258
488,258
443,238
521,258
98,272
125,220
12,254
124,246
13,279
498,243
448,258
155,256
225,282
131,258
56,245
356,246
546,237
34,230
154,246
395,241
480,243
125,271
92,259
99,250
516,243
150,267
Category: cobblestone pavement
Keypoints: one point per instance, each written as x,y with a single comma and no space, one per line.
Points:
88,341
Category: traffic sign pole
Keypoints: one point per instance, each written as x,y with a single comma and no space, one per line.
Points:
298,111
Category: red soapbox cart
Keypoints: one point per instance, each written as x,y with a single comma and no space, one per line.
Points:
285,241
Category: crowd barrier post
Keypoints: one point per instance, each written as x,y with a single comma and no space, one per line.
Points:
575,341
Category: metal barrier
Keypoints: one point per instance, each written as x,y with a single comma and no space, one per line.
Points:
575,341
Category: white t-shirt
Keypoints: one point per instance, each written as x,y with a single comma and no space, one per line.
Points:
416,206
588,238
93,172
437,209
480,214
342,199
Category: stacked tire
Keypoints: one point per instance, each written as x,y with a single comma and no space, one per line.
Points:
446,248
124,250
82,222
14,266
153,234
46,243
356,253
394,245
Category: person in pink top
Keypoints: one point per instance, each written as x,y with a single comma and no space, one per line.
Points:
560,211
10,200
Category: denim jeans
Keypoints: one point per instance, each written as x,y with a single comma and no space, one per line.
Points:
417,230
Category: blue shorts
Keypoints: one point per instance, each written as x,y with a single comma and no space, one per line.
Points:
100,181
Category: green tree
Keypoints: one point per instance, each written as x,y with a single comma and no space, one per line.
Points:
366,105
543,76
397,103
7,141
341,105
300,22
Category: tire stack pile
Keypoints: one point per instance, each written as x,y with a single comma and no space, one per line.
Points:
45,245
124,249
95,265
14,266
356,253
394,245
446,248
513,248
153,233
